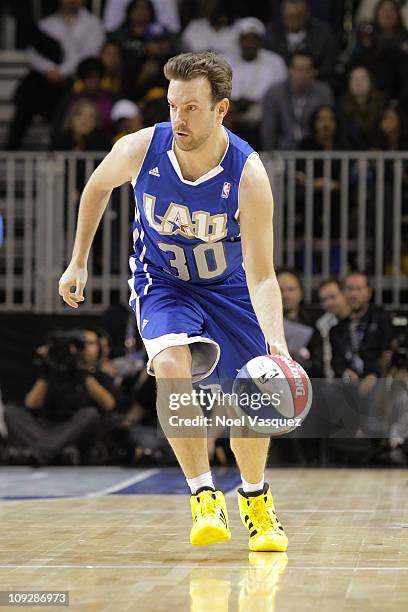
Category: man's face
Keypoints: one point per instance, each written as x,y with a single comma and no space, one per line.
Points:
250,45
91,348
301,73
294,16
193,115
332,299
357,292
292,293
325,123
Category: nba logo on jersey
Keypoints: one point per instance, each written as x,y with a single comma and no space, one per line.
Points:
226,190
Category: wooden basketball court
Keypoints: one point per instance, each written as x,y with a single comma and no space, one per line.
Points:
348,547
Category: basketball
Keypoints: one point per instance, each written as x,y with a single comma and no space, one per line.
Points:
273,393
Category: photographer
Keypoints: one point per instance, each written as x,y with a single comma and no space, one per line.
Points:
61,416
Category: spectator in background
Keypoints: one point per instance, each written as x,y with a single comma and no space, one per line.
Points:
81,130
158,49
388,22
392,135
155,107
126,118
298,31
62,408
167,12
360,343
289,106
366,11
212,32
359,340
80,35
393,129
130,35
336,307
291,288
298,321
325,136
382,46
326,133
253,73
112,59
362,106
89,86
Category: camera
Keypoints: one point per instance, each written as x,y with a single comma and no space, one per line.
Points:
64,351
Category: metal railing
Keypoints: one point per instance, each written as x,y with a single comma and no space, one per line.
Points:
333,212
356,218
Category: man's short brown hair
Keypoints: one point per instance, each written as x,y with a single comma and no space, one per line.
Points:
215,68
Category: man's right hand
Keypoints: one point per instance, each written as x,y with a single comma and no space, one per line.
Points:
74,276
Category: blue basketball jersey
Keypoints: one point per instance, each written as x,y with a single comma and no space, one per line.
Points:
188,229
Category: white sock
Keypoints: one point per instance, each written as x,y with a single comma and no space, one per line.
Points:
250,487
203,480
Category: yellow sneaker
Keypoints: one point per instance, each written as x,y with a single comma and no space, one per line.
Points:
210,518
258,515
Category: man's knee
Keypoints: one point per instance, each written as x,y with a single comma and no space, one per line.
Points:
173,362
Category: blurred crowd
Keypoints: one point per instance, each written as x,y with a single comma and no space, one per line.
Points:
300,82
93,403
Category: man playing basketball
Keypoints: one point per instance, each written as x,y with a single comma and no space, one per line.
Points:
203,215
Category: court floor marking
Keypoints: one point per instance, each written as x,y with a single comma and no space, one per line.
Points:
194,566
100,493
123,484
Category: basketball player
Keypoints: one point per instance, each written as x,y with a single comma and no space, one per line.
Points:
203,216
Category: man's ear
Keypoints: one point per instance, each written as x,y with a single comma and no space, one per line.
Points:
223,107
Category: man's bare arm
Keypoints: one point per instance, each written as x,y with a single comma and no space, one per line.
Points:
118,167
256,221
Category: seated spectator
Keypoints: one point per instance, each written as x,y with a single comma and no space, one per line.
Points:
336,307
211,32
158,49
126,118
359,340
392,135
28,32
253,73
62,409
366,11
89,86
130,35
359,344
298,321
112,59
362,106
80,35
393,129
81,129
325,136
289,106
155,107
167,12
382,46
297,30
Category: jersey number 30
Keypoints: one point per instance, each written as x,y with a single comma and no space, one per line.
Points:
200,252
